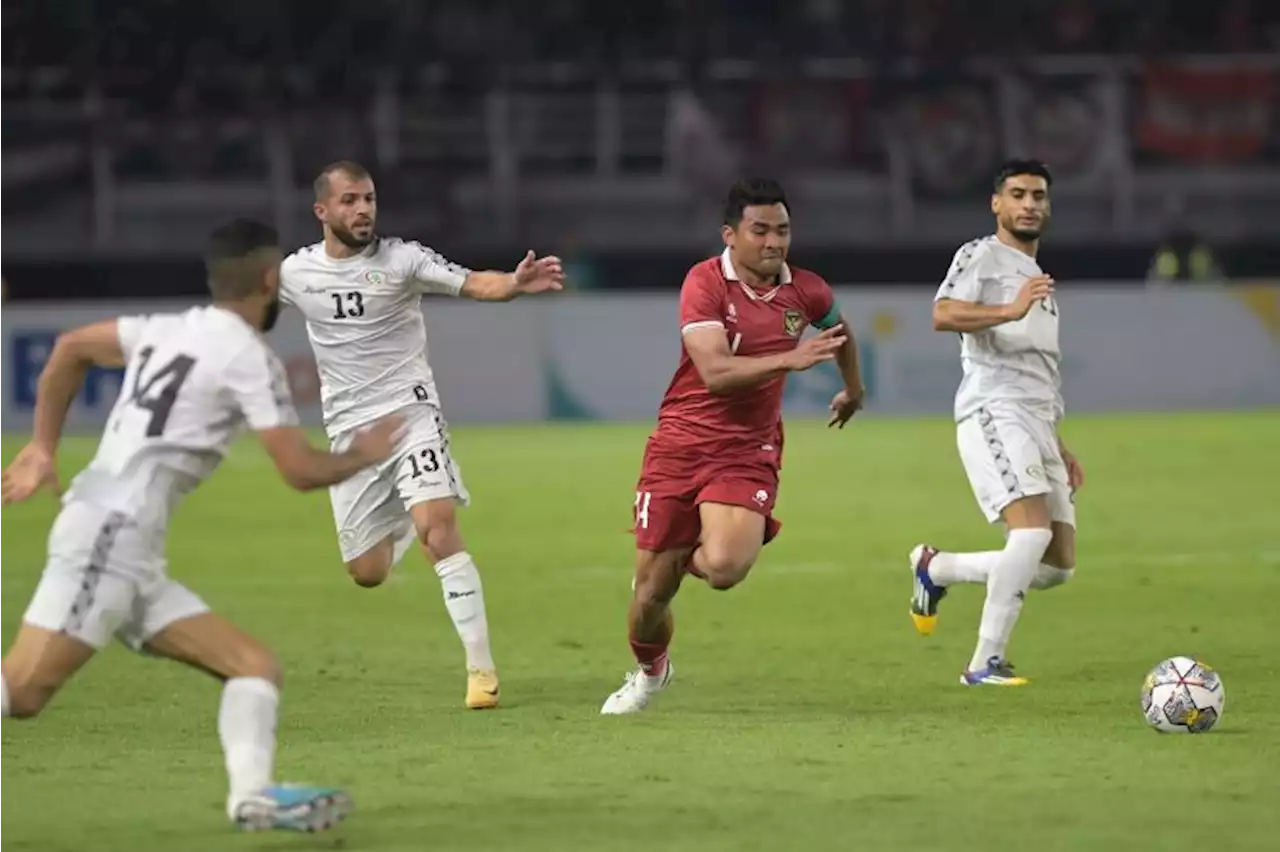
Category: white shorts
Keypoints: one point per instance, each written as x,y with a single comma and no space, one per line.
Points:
374,504
105,577
1009,453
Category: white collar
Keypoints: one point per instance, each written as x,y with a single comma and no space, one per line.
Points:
731,274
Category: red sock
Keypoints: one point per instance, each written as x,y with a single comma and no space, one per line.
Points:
652,657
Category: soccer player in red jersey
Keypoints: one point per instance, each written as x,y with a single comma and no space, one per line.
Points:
704,503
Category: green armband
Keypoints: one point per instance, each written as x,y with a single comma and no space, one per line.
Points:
832,317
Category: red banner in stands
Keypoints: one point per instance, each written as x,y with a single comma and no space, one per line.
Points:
1205,112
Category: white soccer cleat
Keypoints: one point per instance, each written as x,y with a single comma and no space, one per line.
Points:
635,692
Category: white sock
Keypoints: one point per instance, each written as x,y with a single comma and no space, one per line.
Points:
5,684
946,569
1048,576
464,598
247,728
1006,587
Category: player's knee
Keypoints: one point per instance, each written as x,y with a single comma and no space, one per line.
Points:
372,567
368,573
27,699
723,568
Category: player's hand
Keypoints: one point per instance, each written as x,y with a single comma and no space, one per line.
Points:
31,470
1075,472
538,274
1033,290
844,405
815,350
379,441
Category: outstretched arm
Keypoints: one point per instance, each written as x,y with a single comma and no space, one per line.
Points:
533,275
435,274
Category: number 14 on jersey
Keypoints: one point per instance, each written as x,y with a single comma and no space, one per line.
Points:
158,392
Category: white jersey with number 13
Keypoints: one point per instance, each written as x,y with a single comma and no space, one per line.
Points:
364,319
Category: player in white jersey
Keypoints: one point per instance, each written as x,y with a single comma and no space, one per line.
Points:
1007,412
192,382
361,296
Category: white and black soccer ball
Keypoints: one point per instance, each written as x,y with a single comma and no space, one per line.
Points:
1182,696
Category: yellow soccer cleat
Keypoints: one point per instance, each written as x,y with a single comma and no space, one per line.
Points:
925,624
482,689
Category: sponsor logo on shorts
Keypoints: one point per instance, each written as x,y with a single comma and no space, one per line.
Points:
761,497
1035,471
793,323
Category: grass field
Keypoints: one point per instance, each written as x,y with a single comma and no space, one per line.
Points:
806,715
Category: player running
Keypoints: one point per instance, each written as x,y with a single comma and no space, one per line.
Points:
191,381
709,478
361,296
1007,409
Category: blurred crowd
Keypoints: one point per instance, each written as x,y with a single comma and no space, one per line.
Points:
172,90
146,50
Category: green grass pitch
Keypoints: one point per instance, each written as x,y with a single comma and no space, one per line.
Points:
806,713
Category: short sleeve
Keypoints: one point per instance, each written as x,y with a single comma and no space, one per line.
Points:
964,280
431,272
129,331
701,302
823,310
287,276
260,388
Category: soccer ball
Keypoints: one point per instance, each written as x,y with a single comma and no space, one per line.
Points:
1182,696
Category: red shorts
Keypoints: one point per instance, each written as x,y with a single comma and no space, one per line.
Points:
673,485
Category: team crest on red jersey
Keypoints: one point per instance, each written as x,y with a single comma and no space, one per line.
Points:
793,322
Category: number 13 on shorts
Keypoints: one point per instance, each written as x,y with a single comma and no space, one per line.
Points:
642,509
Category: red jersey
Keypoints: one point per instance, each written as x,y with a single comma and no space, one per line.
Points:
755,323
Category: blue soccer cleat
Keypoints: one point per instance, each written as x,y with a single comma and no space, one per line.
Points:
293,808
996,672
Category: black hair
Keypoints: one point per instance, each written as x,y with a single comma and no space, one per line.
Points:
1013,168
230,260
752,192
350,168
